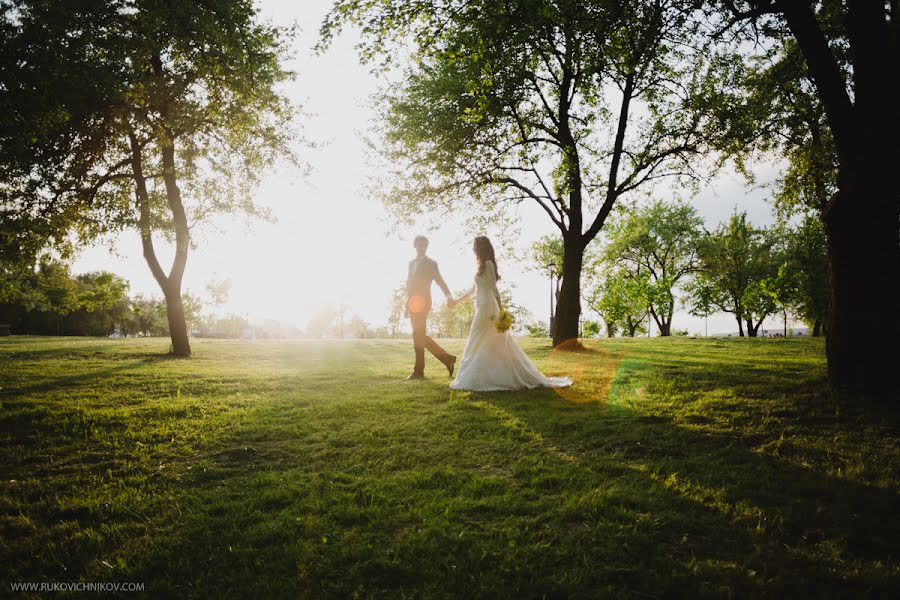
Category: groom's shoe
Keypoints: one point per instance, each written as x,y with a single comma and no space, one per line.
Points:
414,376
451,366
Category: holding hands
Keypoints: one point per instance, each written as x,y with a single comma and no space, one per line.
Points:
454,302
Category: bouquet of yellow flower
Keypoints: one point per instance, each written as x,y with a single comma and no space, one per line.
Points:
503,321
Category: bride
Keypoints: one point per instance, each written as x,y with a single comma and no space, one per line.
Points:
492,360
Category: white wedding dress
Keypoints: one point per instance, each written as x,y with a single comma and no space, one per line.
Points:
493,361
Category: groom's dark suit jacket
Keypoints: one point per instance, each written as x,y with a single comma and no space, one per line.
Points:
418,284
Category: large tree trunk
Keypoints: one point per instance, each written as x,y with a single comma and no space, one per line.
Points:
740,326
181,345
568,308
169,284
861,220
817,328
610,329
861,226
751,330
632,327
663,325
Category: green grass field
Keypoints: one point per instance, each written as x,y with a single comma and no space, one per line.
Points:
672,468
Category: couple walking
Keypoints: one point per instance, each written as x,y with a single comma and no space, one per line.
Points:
492,360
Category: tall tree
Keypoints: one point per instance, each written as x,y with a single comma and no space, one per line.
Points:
735,261
146,115
566,105
620,298
546,256
658,244
852,52
805,265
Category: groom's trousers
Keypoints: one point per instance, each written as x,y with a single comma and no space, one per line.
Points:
421,341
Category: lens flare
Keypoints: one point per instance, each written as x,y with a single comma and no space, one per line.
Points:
416,304
592,371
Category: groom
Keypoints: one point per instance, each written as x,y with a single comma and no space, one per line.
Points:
423,271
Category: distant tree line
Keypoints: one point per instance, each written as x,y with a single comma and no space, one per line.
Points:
332,321
52,301
654,257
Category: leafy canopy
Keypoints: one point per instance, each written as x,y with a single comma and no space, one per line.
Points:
88,87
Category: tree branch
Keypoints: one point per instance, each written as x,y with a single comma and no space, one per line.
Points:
143,202
825,73
611,194
510,181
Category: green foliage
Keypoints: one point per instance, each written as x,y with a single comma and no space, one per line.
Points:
620,298
735,262
803,276
141,115
202,76
777,109
591,329
565,106
49,300
149,316
657,247
547,250
506,103
537,329
677,468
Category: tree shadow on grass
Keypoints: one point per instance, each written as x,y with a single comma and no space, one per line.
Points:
533,493
81,378
78,347
487,495
660,511
793,528
543,496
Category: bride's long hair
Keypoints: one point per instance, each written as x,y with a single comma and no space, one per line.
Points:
484,252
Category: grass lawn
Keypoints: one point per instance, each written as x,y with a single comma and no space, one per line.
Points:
673,467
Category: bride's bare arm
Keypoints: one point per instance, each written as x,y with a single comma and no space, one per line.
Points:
465,296
493,280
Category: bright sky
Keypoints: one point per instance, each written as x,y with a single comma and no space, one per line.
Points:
332,244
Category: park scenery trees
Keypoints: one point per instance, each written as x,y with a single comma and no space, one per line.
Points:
575,105
657,249
567,105
294,455
737,260
150,116
620,299
144,116
851,54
